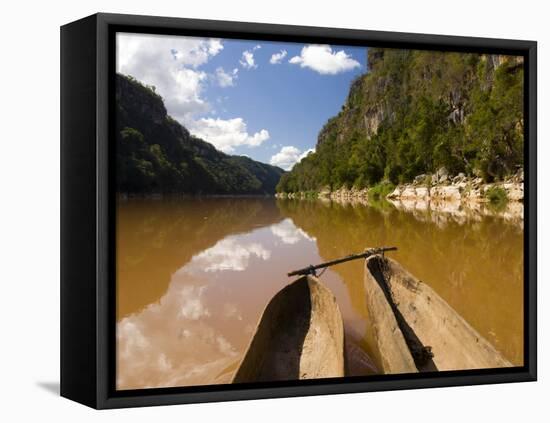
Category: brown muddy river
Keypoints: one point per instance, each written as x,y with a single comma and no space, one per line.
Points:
193,276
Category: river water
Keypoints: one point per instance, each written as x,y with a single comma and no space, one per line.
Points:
194,275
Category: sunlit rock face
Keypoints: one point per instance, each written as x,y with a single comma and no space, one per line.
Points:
449,192
441,186
408,192
514,191
422,192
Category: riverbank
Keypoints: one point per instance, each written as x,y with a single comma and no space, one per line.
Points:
438,212
443,197
440,187
443,187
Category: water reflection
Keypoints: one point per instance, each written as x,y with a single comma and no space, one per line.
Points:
476,265
198,329
442,212
288,233
176,341
193,277
157,237
229,254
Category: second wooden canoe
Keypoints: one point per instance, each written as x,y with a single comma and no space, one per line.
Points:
437,337
300,335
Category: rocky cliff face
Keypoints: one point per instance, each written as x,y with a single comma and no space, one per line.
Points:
157,155
414,112
368,104
139,101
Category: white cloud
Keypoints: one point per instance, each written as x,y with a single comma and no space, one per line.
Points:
288,156
133,49
185,100
289,233
170,63
227,134
324,60
278,57
247,60
226,79
229,254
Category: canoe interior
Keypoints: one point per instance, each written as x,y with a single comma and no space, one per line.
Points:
394,352
300,335
437,337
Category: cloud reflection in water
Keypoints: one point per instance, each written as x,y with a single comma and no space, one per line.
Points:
289,233
184,339
229,254
195,334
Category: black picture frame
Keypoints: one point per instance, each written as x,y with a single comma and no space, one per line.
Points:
87,210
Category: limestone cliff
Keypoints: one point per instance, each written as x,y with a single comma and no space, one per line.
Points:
414,112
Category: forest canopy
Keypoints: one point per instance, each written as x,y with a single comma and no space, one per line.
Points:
155,154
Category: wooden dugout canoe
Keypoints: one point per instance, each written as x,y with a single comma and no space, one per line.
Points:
300,335
412,323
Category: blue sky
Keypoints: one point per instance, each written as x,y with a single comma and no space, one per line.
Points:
239,96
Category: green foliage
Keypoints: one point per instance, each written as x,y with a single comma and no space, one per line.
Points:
414,112
155,154
496,195
311,194
146,89
381,190
496,125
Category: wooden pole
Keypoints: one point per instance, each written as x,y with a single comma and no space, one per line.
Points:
367,253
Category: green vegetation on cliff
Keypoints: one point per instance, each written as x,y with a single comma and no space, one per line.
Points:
155,154
414,112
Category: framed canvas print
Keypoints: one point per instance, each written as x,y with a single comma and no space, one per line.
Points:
255,211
